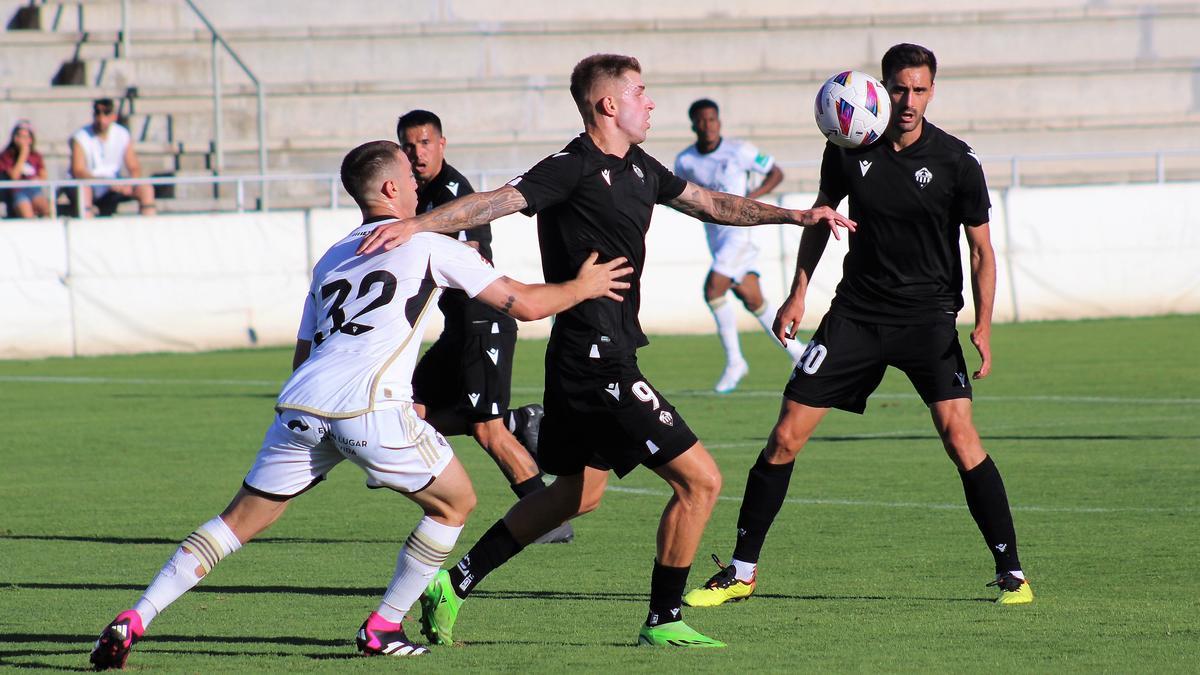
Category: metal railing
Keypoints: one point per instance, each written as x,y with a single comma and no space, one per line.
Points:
218,41
1018,163
54,186
488,179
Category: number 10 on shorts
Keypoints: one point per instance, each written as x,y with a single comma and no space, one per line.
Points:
813,357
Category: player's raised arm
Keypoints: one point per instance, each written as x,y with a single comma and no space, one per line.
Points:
529,302
727,209
461,214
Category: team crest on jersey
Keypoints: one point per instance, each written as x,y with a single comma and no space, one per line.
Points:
666,418
924,177
638,170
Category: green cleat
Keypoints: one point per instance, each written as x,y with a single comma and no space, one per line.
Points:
439,610
674,634
1013,591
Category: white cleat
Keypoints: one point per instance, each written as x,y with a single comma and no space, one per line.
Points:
734,372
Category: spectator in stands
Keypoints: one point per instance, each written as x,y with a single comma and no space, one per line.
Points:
104,149
21,161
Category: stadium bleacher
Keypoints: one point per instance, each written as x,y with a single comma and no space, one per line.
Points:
1047,78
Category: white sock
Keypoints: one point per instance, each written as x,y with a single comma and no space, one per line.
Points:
726,317
744,571
195,558
419,560
766,317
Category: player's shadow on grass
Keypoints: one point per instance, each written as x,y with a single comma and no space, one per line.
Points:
373,592
175,540
38,665
992,437
58,639
641,597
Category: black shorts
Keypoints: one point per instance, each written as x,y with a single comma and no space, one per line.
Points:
469,371
846,359
603,413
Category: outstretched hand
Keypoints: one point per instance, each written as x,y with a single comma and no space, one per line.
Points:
982,339
824,215
787,320
598,280
387,236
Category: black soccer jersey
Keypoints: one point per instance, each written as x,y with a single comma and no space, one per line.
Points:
458,309
447,186
904,263
585,201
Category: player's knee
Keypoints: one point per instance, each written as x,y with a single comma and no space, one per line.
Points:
702,488
456,510
785,443
484,433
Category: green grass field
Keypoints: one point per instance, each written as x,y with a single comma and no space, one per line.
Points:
873,565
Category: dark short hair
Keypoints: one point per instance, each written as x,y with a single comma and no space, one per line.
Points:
106,103
702,104
417,118
593,68
363,164
906,55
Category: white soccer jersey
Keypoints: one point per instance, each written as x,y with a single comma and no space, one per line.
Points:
726,169
365,316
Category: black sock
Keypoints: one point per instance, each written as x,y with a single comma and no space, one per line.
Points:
666,593
528,487
493,549
988,504
766,488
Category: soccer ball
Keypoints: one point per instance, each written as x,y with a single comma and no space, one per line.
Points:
852,109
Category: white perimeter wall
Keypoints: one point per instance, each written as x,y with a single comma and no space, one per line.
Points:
182,283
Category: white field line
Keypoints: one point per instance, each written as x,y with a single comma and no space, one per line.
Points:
924,506
703,393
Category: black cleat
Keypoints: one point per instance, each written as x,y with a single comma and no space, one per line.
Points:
526,425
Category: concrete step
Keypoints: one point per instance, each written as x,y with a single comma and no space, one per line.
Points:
1041,96
310,127
228,14
326,54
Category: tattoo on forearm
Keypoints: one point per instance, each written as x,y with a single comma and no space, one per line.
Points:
726,209
508,304
474,210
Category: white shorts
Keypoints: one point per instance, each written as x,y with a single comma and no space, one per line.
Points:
733,251
395,448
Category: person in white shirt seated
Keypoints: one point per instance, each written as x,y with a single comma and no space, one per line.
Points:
104,149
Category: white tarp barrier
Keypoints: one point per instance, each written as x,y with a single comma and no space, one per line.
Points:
170,283
33,289
1105,251
181,283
